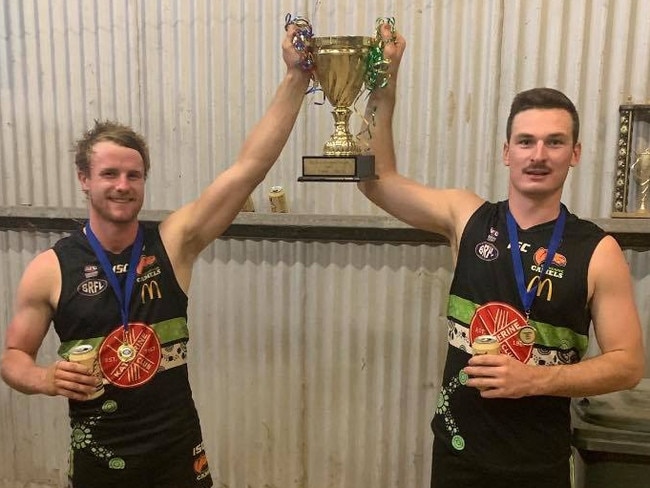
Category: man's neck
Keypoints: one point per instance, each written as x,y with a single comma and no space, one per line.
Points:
529,212
114,237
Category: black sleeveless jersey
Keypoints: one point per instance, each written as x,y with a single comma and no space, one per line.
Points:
532,433
153,411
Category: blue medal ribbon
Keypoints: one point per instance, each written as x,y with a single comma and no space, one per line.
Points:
527,296
123,296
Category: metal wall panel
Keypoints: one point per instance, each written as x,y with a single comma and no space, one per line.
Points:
194,76
313,364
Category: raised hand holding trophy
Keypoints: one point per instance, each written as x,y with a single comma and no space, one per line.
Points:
341,65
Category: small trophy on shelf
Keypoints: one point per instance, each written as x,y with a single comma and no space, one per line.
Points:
632,182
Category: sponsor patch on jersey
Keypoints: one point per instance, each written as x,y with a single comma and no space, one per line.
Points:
486,251
145,262
92,287
201,468
540,256
90,271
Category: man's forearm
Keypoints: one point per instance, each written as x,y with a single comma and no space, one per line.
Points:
605,373
267,139
20,372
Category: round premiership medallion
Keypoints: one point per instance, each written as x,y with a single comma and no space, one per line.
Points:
125,353
527,335
129,359
505,323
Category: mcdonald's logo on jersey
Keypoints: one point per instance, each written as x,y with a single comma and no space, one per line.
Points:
541,284
150,291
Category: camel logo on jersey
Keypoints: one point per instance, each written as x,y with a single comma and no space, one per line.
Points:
147,268
201,468
505,323
556,268
145,262
92,287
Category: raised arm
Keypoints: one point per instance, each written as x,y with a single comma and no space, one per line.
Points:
189,230
36,297
443,211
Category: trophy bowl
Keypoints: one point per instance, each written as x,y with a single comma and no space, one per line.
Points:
340,70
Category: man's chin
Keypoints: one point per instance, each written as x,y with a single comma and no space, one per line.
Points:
121,218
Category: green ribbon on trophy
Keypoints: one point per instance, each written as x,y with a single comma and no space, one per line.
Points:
376,64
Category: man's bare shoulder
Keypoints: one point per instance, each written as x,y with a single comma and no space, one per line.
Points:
41,280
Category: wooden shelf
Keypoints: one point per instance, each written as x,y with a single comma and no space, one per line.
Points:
630,233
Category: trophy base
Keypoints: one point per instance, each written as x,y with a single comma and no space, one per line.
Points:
338,168
639,214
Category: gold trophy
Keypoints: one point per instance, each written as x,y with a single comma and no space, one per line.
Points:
640,170
340,69
632,178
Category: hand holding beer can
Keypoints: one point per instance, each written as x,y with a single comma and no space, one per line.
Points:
485,344
87,355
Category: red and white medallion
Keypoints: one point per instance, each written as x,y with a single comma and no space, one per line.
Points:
507,324
130,358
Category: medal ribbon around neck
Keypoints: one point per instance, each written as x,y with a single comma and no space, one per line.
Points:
527,296
123,296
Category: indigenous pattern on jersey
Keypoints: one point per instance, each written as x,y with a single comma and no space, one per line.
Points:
531,433
147,403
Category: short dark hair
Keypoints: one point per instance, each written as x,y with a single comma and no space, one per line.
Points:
111,131
543,98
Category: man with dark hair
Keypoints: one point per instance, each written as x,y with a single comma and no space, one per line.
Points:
529,277
543,98
120,289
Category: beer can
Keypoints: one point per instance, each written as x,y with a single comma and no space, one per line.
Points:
249,206
87,355
485,344
278,200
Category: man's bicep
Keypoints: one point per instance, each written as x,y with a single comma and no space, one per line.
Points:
33,306
614,312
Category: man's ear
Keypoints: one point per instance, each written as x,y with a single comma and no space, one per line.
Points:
506,153
577,151
83,181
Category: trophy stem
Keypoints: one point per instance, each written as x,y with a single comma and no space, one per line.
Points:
341,142
644,197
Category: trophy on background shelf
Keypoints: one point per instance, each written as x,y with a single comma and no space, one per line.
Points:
632,182
341,66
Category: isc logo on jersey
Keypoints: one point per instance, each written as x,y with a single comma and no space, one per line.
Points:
92,287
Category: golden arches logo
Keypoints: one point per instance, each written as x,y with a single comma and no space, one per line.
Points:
541,283
152,290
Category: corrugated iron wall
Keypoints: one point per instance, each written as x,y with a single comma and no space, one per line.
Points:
314,364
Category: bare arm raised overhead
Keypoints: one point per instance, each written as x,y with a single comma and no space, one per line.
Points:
189,230
444,211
